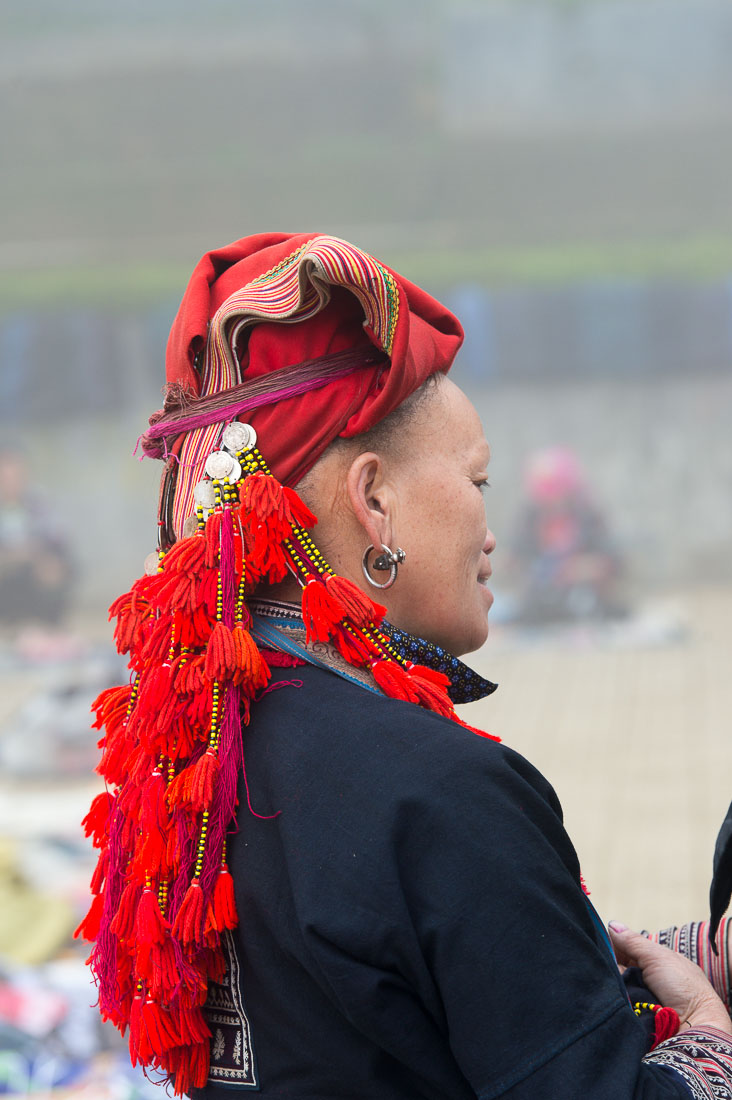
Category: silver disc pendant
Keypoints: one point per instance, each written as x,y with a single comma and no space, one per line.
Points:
204,495
152,564
190,526
237,437
221,464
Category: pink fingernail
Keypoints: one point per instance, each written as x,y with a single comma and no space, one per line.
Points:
617,926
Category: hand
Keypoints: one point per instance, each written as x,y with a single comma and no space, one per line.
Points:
676,981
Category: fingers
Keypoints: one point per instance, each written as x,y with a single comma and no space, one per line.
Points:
631,949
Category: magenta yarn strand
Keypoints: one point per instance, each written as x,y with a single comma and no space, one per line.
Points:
223,807
213,409
227,566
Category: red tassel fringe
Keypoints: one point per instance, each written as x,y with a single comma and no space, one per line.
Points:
666,1022
156,954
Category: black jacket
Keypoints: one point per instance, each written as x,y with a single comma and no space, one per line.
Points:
412,922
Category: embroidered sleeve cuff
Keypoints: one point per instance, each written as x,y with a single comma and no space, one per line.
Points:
692,940
702,1057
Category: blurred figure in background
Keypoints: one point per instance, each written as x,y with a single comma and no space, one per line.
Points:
568,565
36,568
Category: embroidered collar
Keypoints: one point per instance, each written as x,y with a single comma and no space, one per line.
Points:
280,626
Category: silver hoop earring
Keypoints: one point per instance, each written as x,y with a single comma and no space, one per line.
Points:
389,559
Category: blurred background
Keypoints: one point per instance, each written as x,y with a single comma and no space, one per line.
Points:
560,173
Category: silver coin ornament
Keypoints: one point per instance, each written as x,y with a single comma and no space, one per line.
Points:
237,437
152,563
190,526
220,464
204,494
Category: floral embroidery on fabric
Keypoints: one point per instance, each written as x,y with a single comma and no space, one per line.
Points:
232,1057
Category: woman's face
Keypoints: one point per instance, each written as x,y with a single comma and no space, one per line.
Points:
439,521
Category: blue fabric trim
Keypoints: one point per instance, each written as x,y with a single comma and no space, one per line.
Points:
265,633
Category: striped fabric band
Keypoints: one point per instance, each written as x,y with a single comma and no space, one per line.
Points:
296,289
702,1057
692,940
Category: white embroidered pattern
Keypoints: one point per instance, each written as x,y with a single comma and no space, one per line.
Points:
232,1061
702,1058
218,1046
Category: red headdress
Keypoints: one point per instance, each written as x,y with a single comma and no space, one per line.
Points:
304,338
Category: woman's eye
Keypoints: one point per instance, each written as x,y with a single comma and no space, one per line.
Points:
483,485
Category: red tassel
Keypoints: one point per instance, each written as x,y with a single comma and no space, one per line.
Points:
100,872
267,557
357,606
222,914
129,798
89,927
157,644
111,705
213,539
174,591
123,924
139,765
220,661
431,695
189,676
214,964
251,668
206,594
394,680
116,748
150,925
189,1067
430,674
666,1023
157,965
195,629
155,687
194,786
321,611
353,646
134,1022
96,822
190,921
131,612
191,1025
299,513
153,811
186,556
263,496
150,859
153,1032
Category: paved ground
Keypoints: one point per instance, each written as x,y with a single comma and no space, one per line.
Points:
636,740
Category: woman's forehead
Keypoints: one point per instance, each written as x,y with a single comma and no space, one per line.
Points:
455,417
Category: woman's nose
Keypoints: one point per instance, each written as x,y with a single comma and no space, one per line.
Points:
490,543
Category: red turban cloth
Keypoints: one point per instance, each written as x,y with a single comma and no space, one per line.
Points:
276,300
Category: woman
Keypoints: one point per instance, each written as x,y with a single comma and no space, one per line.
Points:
411,917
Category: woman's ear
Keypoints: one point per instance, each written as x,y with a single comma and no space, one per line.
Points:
370,498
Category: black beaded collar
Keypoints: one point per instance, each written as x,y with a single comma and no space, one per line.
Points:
466,685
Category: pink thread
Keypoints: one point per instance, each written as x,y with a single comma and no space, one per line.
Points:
252,811
223,806
212,410
280,684
227,567
104,954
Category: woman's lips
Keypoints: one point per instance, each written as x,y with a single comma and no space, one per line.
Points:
483,584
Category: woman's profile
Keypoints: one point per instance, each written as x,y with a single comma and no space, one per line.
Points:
315,880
